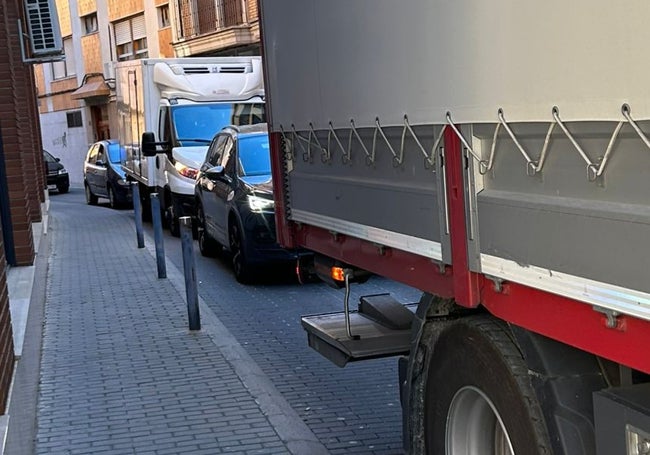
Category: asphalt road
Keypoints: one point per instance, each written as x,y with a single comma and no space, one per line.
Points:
354,409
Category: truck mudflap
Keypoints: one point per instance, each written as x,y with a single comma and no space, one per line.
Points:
381,327
622,418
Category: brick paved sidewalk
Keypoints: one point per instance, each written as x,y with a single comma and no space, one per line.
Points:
120,371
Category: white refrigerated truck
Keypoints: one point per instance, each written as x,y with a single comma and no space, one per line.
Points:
496,155
183,102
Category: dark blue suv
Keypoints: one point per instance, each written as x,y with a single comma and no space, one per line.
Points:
234,201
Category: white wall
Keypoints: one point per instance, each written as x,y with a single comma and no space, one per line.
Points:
68,144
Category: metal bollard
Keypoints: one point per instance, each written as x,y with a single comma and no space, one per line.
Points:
189,267
137,209
158,235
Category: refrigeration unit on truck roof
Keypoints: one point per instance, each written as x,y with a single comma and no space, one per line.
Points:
197,81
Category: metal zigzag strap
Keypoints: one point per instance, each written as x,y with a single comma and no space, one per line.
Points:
429,159
347,154
307,152
594,170
370,157
288,144
397,158
482,163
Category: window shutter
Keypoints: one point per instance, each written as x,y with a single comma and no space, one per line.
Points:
69,57
139,27
122,32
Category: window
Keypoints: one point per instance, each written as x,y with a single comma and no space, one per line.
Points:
90,23
216,148
163,16
65,68
92,154
248,114
203,121
101,155
116,153
254,155
74,119
131,38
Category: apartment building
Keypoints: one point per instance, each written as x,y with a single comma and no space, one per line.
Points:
216,27
76,96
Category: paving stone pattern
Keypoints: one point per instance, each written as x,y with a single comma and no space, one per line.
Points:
120,372
352,410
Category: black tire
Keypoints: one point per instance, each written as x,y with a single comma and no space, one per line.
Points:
91,199
63,188
207,245
242,268
112,200
476,365
172,220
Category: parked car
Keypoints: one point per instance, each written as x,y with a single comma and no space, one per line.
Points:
234,201
103,174
57,175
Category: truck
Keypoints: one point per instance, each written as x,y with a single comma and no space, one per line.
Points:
178,105
495,156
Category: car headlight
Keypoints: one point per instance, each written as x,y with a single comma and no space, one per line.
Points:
62,171
259,204
186,171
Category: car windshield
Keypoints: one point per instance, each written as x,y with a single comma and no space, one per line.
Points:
254,155
196,124
116,154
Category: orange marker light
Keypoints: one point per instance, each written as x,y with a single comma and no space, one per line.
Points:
338,273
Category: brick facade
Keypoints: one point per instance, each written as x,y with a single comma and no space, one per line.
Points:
91,51
118,9
165,42
85,7
6,338
23,162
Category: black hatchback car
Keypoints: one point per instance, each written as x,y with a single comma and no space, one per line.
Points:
234,201
57,175
104,176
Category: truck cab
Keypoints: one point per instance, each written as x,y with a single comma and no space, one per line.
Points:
183,103
186,128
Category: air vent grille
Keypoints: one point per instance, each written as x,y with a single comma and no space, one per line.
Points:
43,27
196,70
232,69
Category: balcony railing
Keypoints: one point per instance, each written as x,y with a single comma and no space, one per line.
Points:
199,17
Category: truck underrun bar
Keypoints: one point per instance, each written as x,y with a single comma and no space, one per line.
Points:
569,321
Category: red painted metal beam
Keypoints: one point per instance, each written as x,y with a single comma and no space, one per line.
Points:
571,322
408,268
466,283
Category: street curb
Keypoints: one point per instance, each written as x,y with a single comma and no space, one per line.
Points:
286,422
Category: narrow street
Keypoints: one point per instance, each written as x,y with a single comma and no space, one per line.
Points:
351,410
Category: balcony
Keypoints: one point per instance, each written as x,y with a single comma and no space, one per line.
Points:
205,27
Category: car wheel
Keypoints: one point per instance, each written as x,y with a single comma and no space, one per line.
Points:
243,272
207,245
91,199
112,201
63,188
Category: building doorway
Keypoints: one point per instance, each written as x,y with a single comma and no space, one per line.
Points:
99,115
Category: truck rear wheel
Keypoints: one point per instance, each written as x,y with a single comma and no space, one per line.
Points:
479,396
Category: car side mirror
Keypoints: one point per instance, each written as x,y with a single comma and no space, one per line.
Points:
57,159
214,173
148,144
